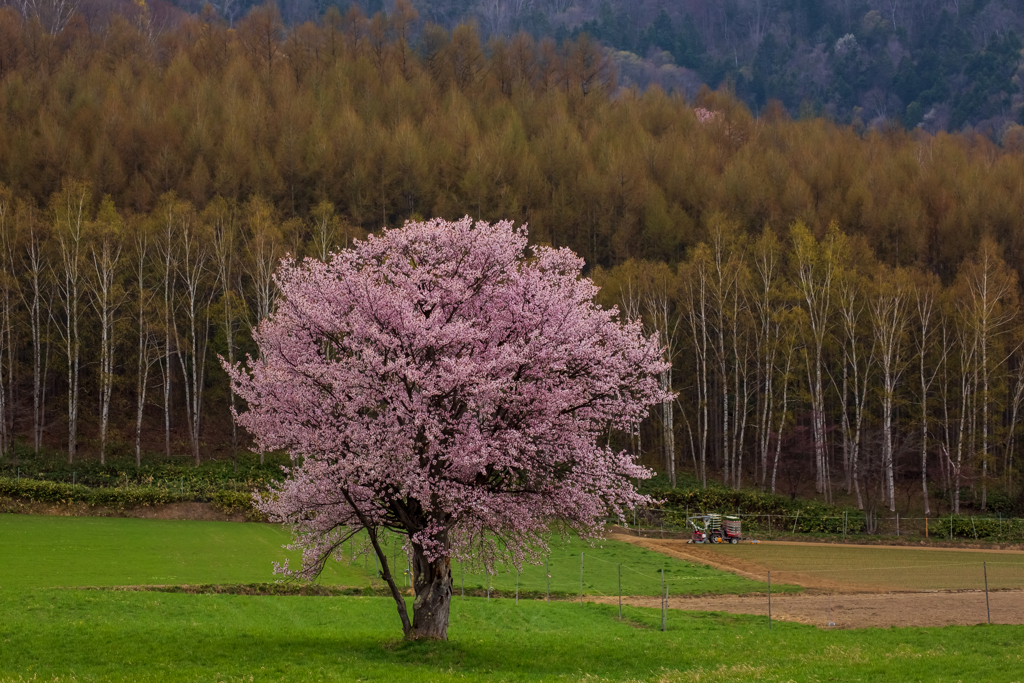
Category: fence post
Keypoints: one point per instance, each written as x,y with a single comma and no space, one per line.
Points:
769,601
975,527
620,591
796,520
581,579
517,586
547,574
664,622
897,525
951,526
488,586
462,579
926,527
988,611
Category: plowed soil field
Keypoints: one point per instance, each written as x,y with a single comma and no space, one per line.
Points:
859,586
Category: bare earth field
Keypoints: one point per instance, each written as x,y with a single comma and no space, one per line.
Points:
858,586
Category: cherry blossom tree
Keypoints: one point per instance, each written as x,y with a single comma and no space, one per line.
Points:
447,383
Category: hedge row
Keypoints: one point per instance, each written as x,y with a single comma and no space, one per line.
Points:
981,528
120,498
179,475
806,516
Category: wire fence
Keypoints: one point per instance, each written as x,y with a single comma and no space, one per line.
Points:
569,571
825,584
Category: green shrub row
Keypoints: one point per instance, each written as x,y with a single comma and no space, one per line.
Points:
805,516
123,497
981,528
235,502
179,474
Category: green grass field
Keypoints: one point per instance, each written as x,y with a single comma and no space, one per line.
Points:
40,551
879,567
66,634
71,635
92,551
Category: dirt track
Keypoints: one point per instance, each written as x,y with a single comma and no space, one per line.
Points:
830,601
857,610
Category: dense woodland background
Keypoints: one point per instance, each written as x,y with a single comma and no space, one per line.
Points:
840,304
938,64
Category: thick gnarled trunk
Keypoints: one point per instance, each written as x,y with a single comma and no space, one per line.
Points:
432,584
432,581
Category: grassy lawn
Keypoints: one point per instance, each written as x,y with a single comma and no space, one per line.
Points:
41,551
65,635
641,573
889,568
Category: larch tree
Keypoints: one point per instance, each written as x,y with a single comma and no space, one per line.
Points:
441,381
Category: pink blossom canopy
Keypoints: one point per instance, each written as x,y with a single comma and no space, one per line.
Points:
441,380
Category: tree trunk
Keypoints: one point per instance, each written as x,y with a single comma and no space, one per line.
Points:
432,581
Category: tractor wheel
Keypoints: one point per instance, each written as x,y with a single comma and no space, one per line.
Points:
734,540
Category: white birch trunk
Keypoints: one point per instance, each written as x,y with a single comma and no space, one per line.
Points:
889,322
70,228
816,269
106,301
192,344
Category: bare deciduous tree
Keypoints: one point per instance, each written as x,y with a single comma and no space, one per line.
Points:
107,297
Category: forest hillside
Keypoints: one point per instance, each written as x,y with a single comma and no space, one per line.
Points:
941,65
840,305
